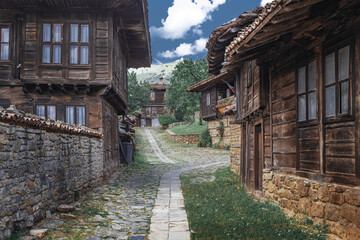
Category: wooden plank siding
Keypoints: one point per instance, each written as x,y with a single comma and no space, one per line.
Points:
208,111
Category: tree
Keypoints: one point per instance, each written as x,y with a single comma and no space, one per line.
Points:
185,74
139,93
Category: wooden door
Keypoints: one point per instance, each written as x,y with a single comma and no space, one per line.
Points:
258,159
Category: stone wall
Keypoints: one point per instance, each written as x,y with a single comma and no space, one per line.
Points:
235,147
338,206
43,164
214,124
184,139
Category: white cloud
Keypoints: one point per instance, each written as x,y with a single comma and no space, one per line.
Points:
263,2
197,31
157,61
184,15
185,49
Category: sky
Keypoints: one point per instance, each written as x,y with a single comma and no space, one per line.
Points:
180,28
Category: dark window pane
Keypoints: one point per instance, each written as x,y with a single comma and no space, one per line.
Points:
344,59
47,32
301,80
330,101
5,35
46,54
344,97
57,32
51,112
302,108
74,33
56,54
40,110
312,105
80,115
330,68
312,76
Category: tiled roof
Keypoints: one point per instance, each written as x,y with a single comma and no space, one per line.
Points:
208,82
13,116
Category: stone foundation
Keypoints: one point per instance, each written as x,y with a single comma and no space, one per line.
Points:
184,139
41,166
214,124
338,206
235,147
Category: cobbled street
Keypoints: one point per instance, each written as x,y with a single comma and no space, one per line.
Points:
144,200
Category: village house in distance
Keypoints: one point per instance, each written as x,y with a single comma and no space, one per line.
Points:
63,60
156,107
295,134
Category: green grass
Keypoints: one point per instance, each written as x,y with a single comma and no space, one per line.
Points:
194,128
223,210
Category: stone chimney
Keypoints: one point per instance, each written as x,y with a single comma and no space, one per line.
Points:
161,80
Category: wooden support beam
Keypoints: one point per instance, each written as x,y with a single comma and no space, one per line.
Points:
88,90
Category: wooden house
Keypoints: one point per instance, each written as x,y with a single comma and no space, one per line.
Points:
67,60
156,106
295,138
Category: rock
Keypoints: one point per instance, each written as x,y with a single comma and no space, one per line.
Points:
67,216
53,223
137,238
98,218
48,214
27,238
65,208
39,233
94,238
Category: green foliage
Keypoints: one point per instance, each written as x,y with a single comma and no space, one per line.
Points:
16,236
166,120
179,115
223,210
201,121
92,210
205,139
194,128
185,74
138,92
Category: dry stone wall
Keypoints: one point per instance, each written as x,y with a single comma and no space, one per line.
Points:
214,124
42,165
184,138
338,206
235,147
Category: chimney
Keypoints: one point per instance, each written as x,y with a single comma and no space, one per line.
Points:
161,80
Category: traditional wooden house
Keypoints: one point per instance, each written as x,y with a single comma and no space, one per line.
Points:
296,135
217,105
156,106
67,60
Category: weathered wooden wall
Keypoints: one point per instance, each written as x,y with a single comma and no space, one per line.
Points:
208,111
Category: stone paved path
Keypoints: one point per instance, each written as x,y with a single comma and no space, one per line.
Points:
125,207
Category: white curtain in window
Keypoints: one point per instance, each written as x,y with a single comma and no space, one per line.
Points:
74,36
56,54
51,112
84,33
74,54
57,32
47,32
5,35
40,110
84,55
70,114
80,115
4,52
46,54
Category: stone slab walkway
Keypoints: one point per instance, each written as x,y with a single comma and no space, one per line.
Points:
156,148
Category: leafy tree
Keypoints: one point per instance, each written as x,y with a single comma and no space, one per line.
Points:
166,120
139,93
185,74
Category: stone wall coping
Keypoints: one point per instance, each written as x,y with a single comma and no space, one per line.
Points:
14,117
172,133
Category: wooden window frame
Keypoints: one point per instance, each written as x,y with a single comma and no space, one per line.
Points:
334,48
9,43
79,44
46,110
208,95
306,64
75,113
152,96
52,43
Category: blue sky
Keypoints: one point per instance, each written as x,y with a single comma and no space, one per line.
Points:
181,28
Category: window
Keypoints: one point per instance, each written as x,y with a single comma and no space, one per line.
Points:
306,90
148,110
75,114
249,77
152,96
48,111
4,43
337,82
153,110
79,43
208,99
52,41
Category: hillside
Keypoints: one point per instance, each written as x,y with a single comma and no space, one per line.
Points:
153,74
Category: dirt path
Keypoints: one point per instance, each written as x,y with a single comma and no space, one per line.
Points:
142,199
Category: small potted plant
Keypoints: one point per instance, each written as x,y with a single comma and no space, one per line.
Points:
223,103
